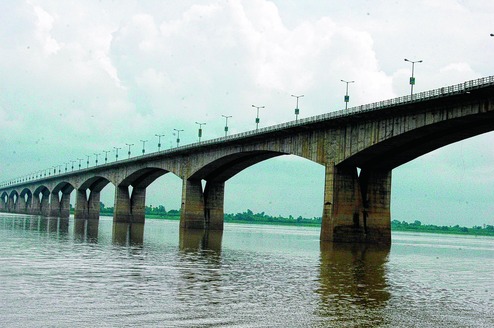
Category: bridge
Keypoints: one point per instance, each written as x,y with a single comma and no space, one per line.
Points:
358,147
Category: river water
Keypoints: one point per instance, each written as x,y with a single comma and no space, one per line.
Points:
56,273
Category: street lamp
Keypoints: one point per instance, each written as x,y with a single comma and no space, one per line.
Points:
159,140
72,165
412,78
143,145
130,145
116,152
178,136
87,161
257,117
66,167
199,132
297,111
79,159
226,123
96,155
106,155
347,97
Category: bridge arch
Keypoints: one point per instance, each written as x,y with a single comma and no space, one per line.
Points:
26,199
130,194
60,199
203,204
88,197
41,201
3,201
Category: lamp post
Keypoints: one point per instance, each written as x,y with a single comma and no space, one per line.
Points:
159,140
178,136
347,97
80,160
226,123
106,155
297,111
257,117
66,166
87,161
116,152
199,132
96,155
412,78
72,165
130,145
143,146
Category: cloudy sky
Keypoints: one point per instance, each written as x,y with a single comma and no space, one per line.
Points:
82,77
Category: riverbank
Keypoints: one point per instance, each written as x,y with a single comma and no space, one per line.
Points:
160,213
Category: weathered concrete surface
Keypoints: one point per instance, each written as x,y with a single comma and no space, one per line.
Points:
356,206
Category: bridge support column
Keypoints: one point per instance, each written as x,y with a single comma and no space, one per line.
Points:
192,212
121,209
54,205
80,212
129,209
85,209
65,205
214,196
356,209
11,205
45,205
35,205
22,205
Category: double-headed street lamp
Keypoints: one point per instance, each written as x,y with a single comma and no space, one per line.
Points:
159,140
178,136
199,132
106,155
143,146
116,152
226,123
130,145
412,78
257,117
297,111
347,97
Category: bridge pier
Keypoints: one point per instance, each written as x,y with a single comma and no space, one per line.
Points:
129,208
192,212
214,197
356,208
85,208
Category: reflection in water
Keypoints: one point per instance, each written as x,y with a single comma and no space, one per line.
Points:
200,267
128,233
195,240
56,227
353,280
86,230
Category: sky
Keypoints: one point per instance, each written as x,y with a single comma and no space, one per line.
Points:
81,77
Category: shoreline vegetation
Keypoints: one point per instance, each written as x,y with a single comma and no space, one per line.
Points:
160,212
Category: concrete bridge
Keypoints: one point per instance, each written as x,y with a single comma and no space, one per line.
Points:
358,147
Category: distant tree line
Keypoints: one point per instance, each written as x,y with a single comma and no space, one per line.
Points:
486,230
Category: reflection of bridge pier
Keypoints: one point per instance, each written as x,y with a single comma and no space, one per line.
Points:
86,229
353,281
373,138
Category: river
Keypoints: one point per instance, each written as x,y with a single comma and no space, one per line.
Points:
56,273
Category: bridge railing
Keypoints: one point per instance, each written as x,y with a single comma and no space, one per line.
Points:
421,96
